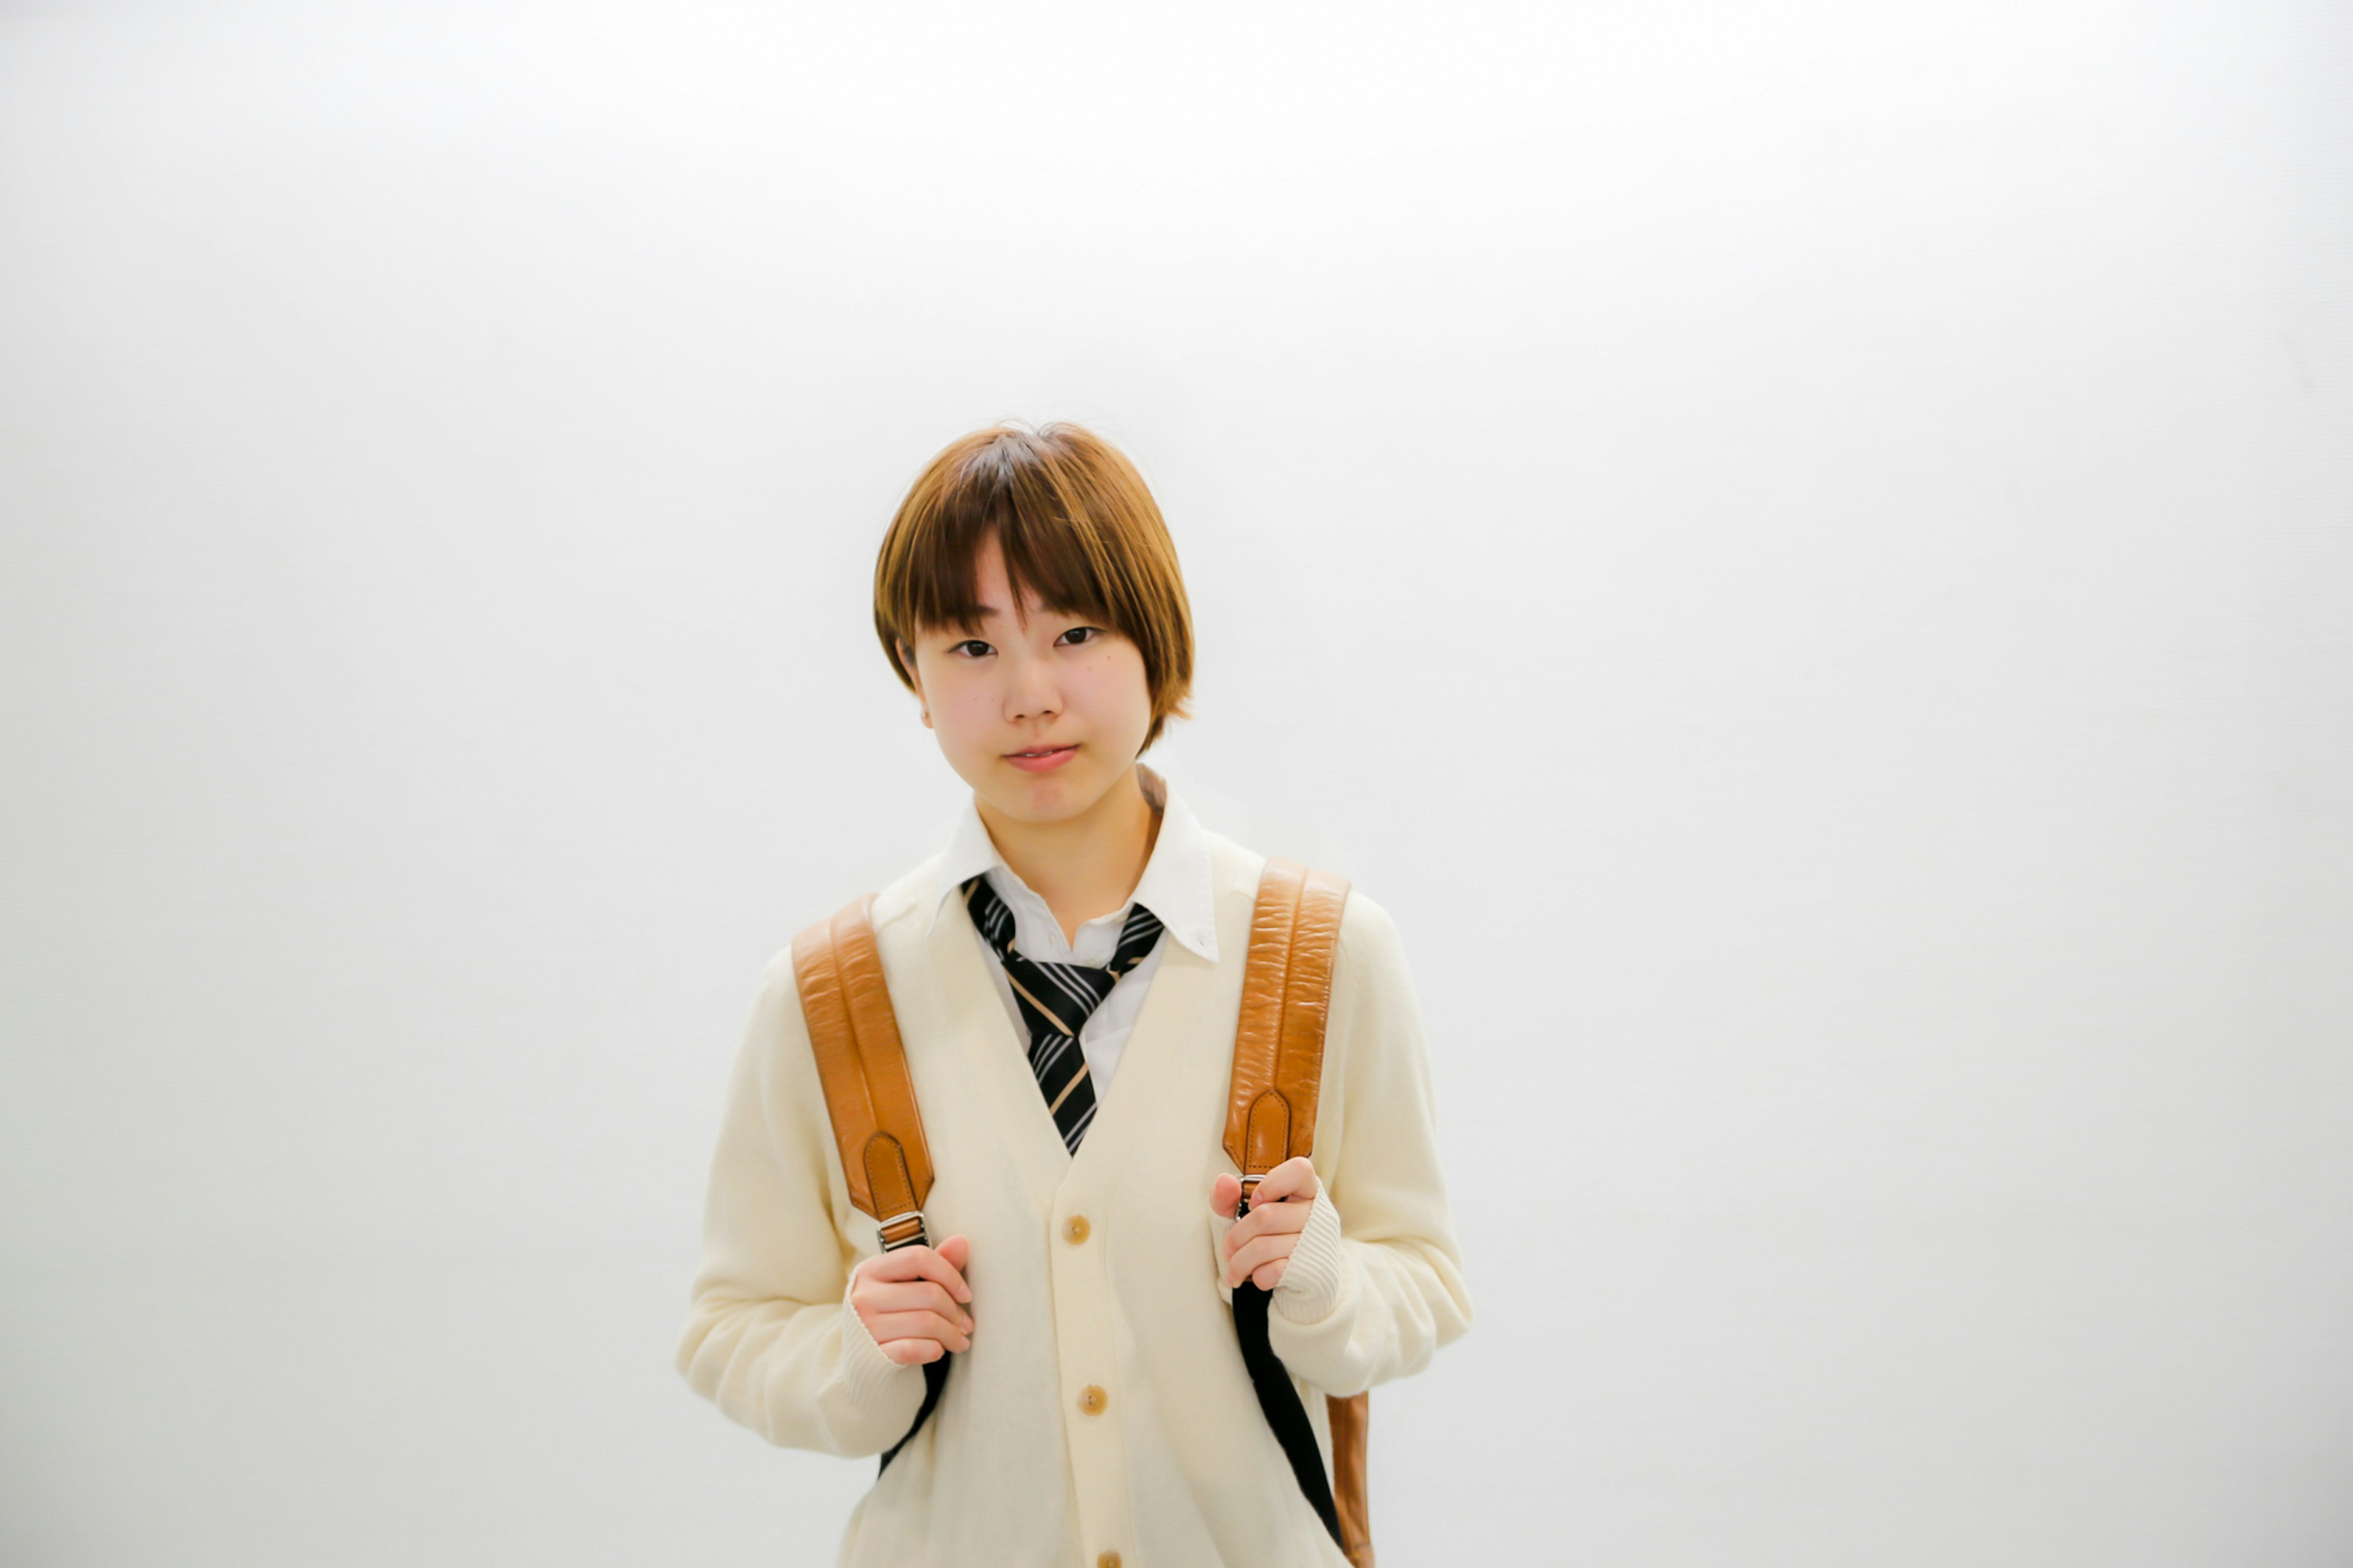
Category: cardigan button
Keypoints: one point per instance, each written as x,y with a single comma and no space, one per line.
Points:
1108,1560
1075,1229
1092,1399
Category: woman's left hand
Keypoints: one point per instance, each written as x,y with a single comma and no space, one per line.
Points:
1260,1245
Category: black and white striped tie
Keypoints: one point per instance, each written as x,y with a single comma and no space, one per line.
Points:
1056,1000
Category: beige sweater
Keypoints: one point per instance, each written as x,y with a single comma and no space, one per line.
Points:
1176,1464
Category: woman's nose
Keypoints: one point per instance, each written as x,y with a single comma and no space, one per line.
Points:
1034,692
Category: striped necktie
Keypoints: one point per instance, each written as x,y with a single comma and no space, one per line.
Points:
1056,999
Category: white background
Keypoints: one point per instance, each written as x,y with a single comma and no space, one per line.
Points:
1801,551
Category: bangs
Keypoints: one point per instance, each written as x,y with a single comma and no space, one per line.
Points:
1047,552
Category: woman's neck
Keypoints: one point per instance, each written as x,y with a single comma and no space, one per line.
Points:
1085,866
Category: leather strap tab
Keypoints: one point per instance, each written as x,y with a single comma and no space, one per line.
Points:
868,1093
1286,998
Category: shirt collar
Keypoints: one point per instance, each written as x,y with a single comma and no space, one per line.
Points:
1177,882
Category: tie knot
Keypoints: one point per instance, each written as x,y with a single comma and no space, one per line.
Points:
994,919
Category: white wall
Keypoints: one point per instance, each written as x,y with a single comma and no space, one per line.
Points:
1801,551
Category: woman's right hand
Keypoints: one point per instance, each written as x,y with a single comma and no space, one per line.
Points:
911,1300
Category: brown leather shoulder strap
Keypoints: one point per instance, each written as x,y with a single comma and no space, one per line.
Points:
1270,1112
1286,995
863,1064
1351,1419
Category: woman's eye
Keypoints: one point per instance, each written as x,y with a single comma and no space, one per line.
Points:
978,647
1077,635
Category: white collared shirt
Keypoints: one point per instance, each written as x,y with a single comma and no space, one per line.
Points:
1176,886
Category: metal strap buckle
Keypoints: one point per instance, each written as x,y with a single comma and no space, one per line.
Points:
909,1230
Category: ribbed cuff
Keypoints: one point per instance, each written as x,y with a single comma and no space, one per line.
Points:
1310,1286
868,1401
868,1376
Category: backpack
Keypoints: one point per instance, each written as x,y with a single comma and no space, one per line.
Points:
1271,1117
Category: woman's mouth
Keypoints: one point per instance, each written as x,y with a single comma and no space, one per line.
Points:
1042,760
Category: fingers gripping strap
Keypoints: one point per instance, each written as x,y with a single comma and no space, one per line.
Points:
1286,998
868,1094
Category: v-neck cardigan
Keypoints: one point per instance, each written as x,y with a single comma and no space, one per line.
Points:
1103,1407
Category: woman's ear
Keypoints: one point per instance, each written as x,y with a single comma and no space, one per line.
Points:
907,663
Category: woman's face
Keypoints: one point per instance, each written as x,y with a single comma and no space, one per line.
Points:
1040,712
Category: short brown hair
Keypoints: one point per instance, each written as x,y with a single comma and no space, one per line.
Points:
1077,528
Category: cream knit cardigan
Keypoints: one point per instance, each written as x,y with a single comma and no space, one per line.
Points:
1176,1467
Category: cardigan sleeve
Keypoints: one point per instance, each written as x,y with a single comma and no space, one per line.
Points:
1379,1278
771,1338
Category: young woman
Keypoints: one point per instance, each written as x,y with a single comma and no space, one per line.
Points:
1067,977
